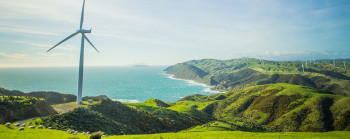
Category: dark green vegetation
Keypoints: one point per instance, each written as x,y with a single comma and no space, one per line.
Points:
261,108
273,107
233,75
13,108
117,118
97,135
281,107
263,96
95,98
50,97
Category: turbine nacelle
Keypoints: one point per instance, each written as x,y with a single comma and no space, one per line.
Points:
84,31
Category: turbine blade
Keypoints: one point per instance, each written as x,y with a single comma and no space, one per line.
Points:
90,43
63,40
82,16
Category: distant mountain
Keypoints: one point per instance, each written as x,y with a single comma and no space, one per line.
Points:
237,74
186,71
140,66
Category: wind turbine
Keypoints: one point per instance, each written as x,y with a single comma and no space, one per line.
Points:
344,65
81,62
302,65
306,65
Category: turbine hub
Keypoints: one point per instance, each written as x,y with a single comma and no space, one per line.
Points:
84,31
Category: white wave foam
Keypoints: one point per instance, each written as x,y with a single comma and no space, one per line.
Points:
209,90
194,83
126,100
170,76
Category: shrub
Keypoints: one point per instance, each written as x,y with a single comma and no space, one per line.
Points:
97,135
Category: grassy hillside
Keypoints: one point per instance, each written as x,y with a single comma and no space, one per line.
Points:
14,108
233,75
13,133
181,116
50,97
117,118
255,110
187,71
66,107
273,107
285,107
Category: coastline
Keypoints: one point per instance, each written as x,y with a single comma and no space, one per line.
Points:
207,88
127,100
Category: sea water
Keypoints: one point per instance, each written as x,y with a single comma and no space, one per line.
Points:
126,84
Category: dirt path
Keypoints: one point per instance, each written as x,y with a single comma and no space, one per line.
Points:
63,108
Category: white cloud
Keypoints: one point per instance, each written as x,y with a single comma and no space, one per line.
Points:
26,30
14,56
55,10
47,46
176,30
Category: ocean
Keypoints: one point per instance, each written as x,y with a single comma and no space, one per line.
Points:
126,84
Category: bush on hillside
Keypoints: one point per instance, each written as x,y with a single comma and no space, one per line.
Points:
97,135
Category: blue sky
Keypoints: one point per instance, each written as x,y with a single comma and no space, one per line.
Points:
165,32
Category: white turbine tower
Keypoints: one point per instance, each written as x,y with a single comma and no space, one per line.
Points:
344,65
81,62
302,65
306,65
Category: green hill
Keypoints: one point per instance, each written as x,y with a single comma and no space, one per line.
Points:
262,96
50,97
187,71
13,108
237,74
117,118
260,108
13,133
156,103
273,107
284,107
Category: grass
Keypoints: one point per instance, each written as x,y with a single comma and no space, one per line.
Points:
193,104
63,108
20,99
17,102
213,126
187,111
239,134
188,107
286,107
13,133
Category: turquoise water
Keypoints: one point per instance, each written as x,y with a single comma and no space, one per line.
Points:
127,84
